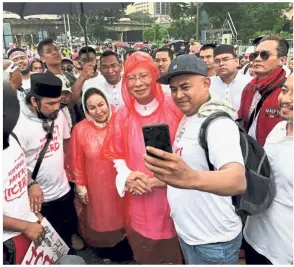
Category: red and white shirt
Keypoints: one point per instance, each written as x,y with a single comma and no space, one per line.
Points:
15,191
32,137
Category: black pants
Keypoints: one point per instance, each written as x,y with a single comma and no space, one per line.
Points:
252,257
120,253
62,215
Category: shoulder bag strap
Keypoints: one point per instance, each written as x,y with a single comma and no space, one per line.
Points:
259,104
43,152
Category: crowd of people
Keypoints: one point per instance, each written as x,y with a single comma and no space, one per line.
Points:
74,152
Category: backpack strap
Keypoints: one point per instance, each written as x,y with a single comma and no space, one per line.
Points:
15,137
202,138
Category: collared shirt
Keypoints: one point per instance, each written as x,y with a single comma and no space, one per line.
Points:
114,94
231,92
146,110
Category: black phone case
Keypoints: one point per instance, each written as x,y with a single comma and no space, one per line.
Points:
158,136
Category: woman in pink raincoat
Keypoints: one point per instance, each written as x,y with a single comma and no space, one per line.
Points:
98,205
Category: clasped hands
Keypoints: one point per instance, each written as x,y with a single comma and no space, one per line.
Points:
138,183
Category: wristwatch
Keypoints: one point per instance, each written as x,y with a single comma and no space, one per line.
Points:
32,183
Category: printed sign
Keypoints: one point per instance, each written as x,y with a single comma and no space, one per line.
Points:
51,249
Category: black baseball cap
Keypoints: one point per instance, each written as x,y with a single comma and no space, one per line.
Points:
184,64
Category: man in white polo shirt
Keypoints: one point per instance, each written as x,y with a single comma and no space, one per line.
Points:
229,82
210,231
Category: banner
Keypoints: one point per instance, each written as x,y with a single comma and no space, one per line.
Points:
51,249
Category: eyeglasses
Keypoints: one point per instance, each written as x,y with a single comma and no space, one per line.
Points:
264,55
131,79
112,66
224,60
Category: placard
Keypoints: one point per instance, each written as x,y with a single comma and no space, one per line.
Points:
51,249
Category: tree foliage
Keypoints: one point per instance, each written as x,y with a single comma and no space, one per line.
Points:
249,18
96,22
141,17
156,33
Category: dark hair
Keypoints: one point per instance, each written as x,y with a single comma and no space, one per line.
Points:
283,45
207,46
14,50
43,43
36,60
93,91
128,52
29,96
108,53
83,50
166,49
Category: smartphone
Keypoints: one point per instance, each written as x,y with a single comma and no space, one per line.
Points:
158,136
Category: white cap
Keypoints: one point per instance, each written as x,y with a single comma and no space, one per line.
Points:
65,83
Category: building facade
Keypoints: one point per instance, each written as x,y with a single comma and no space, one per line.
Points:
155,9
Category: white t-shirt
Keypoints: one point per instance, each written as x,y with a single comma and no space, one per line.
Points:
271,232
201,217
51,176
231,92
26,85
15,191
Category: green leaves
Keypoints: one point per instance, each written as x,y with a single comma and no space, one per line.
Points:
141,17
249,18
156,33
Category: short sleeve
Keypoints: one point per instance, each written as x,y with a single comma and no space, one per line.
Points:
65,126
223,140
19,131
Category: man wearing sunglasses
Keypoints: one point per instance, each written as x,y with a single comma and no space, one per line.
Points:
229,82
50,192
259,104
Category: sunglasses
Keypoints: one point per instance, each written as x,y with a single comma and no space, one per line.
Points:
264,55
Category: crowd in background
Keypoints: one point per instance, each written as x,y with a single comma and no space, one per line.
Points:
97,187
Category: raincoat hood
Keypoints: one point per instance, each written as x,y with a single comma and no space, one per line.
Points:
89,117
